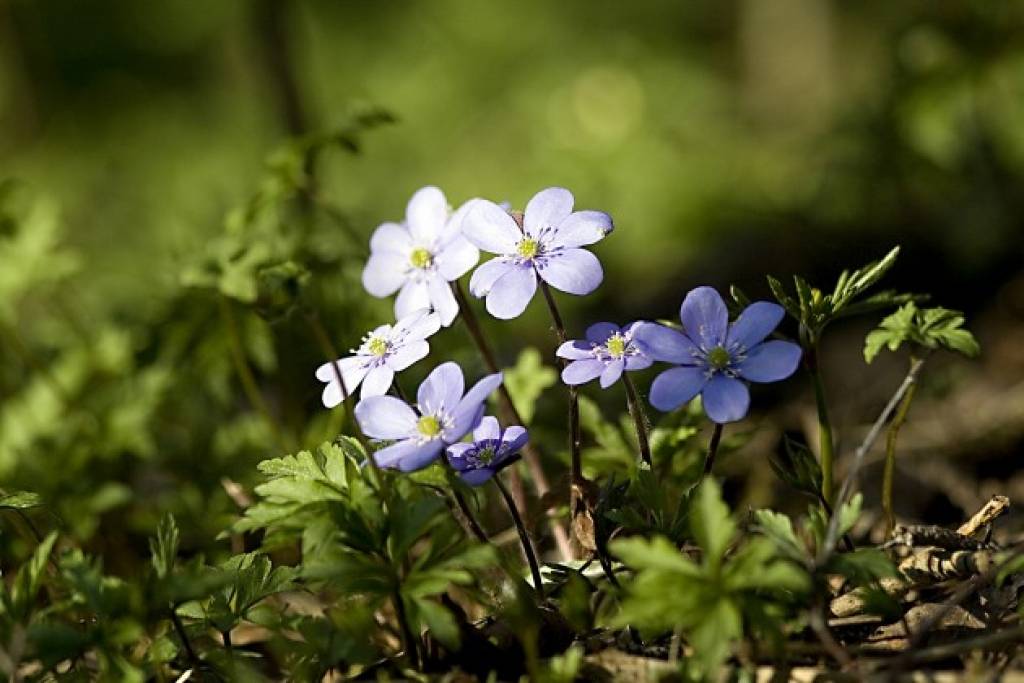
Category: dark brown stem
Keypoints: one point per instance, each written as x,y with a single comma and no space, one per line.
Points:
524,538
412,650
636,411
709,459
179,628
574,403
511,415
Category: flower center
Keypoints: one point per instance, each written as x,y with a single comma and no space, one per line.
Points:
718,358
377,346
429,426
616,345
485,456
421,258
528,248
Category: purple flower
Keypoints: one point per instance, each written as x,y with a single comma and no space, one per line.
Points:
715,357
605,353
548,245
443,415
489,452
421,256
385,350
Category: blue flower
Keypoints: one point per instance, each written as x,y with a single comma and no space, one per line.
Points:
443,415
491,450
547,245
715,357
420,257
605,353
385,350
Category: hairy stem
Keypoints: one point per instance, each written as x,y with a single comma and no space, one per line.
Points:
890,458
825,447
524,538
636,411
249,385
510,415
709,459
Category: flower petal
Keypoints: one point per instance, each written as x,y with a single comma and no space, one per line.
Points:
486,275
577,349
755,323
457,455
409,455
378,381
453,228
726,399
705,317
575,271
478,476
441,391
407,354
511,293
348,366
491,228
638,361
612,373
598,333
393,237
514,438
417,325
582,228
469,412
547,209
385,417
771,361
456,258
487,429
426,215
413,297
677,386
442,299
385,272
665,344
582,371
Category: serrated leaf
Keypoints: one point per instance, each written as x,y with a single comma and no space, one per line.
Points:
527,380
164,547
711,523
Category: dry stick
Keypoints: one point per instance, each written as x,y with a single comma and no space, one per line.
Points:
828,547
890,459
524,538
510,414
249,385
576,481
636,411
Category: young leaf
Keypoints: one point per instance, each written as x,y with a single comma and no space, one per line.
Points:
710,521
527,380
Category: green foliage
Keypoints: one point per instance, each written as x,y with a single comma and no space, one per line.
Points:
527,380
797,467
737,586
924,328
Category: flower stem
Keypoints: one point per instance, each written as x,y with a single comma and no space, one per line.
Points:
511,415
327,348
412,649
890,457
636,411
524,538
709,459
252,390
824,424
179,628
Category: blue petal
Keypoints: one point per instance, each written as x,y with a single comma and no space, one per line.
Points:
726,399
577,349
582,371
665,344
677,386
441,391
385,417
514,438
409,455
771,361
705,317
478,476
598,333
487,429
457,455
612,373
574,271
639,361
755,323
468,414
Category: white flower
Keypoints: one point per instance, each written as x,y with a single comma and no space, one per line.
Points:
421,256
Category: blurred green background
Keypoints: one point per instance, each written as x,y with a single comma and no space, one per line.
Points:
727,139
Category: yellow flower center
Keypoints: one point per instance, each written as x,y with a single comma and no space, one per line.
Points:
528,248
421,258
718,358
616,345
429,426
485,456
377,346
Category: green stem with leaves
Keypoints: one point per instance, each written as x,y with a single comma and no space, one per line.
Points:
890,456
826,448
636,411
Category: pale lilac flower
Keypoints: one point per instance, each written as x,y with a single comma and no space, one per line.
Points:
385,350
606,352
490,451
547,245
443,415
715,357
418,258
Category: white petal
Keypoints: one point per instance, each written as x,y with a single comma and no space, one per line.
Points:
391,237
426,215
407,354
486,275
384,273
489,227
417,325
456,258
442,299
413,297
377,381
453,228
547,209
583,228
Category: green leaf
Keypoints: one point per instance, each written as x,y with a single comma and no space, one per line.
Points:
862,566
655,553
797,467
527,380
713,637
164,547
779,528
929,328
20,500
440,621
26,582
710,521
